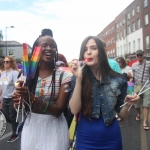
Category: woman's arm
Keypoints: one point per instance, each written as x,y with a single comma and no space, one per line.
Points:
57,108
124,111
54,109
122,98
75,101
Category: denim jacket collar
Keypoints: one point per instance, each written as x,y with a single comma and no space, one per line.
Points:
105,79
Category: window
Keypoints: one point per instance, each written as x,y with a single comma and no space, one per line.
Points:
128,15
113,29
118,52
11,53
112,40
132,12
104,35
120,23
124,48
133,26
129,47
123,21
147,42
145,3
117,36
138,43
117,25
120,34
146,19
138,9
138,24
129,29
124,30
121,50
133,46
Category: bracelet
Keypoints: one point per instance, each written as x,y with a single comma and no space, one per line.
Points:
47,105
41,101
33,99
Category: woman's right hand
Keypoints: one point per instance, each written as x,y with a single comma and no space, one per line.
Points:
75,68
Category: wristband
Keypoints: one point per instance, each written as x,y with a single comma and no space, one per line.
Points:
47,105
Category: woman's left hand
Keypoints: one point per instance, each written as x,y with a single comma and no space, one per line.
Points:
132,99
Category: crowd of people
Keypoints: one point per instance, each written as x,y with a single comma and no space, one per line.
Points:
94,96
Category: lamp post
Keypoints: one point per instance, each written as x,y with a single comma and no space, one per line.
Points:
6,37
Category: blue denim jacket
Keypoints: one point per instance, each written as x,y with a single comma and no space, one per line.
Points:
108,95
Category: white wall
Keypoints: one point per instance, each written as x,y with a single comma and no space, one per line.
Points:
134,36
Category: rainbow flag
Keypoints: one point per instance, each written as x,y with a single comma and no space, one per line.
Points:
25,64
34,61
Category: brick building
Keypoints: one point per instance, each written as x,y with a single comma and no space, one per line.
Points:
133,29
145,4
109,37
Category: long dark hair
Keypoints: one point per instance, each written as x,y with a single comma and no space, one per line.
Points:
103,69
32,82
122,61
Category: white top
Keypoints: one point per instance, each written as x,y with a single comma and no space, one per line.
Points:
127,69
7,81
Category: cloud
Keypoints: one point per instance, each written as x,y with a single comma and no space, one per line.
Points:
8,0
70,20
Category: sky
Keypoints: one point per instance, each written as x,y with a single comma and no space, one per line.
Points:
70,20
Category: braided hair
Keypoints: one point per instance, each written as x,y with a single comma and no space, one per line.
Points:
32,82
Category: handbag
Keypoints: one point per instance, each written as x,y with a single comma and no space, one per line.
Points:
137,88
73,142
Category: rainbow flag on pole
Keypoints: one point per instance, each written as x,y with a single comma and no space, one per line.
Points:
34,61
25,65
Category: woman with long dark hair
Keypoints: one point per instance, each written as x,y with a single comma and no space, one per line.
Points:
7,80
126,70
46,127
97,94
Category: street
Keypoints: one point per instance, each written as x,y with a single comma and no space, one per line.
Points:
133,134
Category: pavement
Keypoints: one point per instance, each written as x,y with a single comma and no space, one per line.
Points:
134,137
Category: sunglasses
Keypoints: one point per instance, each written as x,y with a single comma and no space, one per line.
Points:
6,62
139,55
119,61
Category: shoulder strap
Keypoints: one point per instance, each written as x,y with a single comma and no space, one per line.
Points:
60,78
112,91
143,72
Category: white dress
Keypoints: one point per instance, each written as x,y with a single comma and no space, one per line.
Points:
51,133
44,131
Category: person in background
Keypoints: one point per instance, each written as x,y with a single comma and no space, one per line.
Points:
137,69
7,80
97,92
126,70
1,64
127,61
46,128
1,70
113,64
61,57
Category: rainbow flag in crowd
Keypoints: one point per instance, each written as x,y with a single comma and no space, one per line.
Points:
25,64
34,61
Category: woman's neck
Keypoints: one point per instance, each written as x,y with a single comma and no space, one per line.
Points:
96,73
45,70
8,69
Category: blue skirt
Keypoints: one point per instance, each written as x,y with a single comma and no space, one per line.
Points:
95,135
